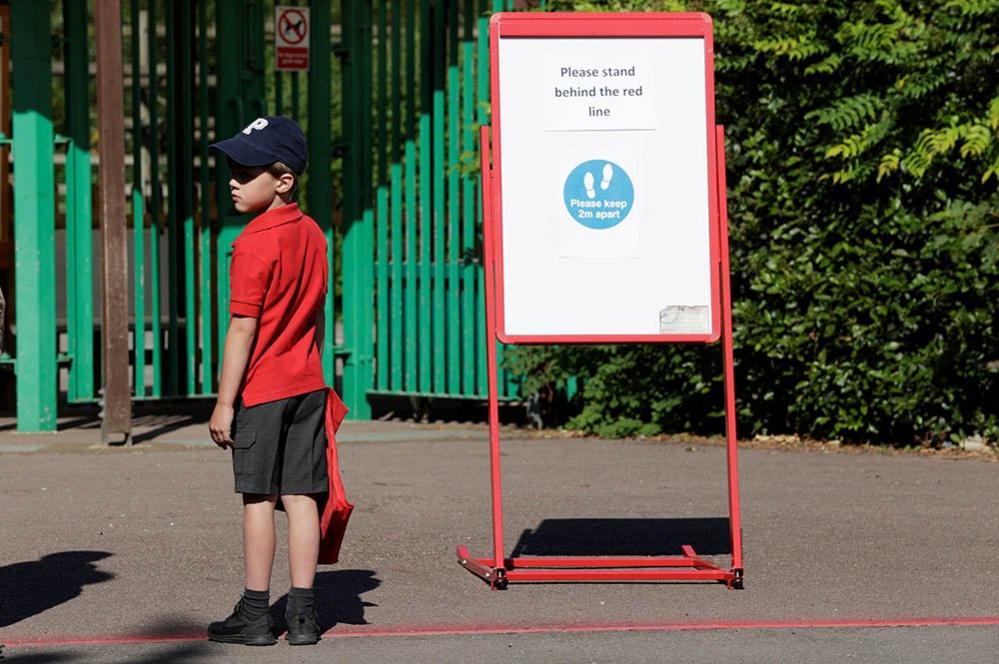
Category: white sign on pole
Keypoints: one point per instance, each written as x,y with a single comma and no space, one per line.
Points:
605,189
291,38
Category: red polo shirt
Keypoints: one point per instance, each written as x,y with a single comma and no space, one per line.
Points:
278,275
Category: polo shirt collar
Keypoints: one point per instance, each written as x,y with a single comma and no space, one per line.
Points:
284,214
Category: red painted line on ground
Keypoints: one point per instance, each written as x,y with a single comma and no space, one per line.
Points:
463,630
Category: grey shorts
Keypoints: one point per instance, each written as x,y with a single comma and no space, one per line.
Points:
279,447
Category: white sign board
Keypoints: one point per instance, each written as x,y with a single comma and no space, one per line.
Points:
607,220
291,38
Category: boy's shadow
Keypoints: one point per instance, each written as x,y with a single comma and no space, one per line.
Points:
31,587
338,598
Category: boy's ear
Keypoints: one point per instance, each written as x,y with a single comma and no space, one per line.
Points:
286,181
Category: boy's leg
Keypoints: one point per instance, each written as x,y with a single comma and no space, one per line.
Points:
303,538
303,552
258,540
303,474
250,622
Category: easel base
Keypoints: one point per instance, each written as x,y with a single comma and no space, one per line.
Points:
540,569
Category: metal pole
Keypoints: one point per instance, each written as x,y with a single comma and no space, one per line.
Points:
155,206
452,283
482,102
468,238
494,442
207,309
175,201
239,91
111,122
34,215
381,253
732,442
185,187
438,177
138,210
320,189
79,209
410,315
358,241
425,228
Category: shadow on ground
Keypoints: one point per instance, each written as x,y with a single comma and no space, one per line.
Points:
166,654
163,426
31,587
338,598
618,537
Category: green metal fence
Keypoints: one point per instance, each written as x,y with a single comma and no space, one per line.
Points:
412,200
391,122
216,77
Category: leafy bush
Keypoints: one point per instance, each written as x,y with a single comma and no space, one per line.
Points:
863,161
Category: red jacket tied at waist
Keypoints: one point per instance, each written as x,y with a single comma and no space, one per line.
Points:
334,509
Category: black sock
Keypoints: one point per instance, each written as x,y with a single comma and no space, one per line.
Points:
255,603
300,600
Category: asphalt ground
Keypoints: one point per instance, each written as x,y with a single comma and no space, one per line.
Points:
125,554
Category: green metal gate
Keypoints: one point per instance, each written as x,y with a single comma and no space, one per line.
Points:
392,180
416,87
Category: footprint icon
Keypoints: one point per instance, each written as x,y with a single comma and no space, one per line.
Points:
608,174
588,184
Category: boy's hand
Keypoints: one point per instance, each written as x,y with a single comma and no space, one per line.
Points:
221,425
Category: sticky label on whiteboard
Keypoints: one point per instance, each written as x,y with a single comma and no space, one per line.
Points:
684,319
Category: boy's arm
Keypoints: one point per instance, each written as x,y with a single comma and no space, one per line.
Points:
238,343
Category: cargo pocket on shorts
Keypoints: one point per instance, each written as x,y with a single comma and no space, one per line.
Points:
242,445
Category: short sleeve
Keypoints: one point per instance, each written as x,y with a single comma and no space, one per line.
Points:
248,280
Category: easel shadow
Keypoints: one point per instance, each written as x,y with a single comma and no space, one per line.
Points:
625,537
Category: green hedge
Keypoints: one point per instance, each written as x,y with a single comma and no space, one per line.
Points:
863,159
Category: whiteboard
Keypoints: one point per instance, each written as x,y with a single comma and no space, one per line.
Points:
605,212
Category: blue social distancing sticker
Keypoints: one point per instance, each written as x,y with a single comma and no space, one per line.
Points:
598,194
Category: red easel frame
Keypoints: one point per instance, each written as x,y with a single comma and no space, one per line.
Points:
499,570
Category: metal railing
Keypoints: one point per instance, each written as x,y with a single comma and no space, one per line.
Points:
392,180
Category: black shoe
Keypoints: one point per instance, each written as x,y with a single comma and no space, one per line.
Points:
237,629
303,629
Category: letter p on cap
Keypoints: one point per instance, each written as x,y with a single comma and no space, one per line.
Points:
259,123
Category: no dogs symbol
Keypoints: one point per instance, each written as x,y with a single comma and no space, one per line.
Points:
293,27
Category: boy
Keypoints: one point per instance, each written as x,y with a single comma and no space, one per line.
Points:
272,394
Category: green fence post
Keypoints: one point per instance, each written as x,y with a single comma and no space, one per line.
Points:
453,198
437,220
79,221
471,203
381,288
185,183
207,310
349,142
230,117
239,88
395,186
174,201
358,241
381,104
409,168
155,206
480,297
426,211
396,315
366,311
320,157
138,213
34,216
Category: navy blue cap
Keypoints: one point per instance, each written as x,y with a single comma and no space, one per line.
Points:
267,140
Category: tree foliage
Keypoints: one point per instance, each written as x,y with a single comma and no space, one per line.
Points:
863,157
